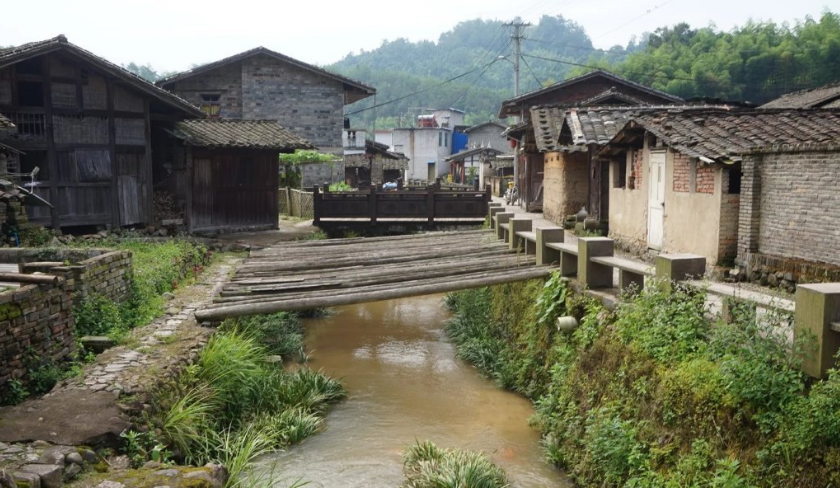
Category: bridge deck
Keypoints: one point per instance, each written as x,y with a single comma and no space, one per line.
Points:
334,272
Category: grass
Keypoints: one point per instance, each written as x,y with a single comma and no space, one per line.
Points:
236,403
426,465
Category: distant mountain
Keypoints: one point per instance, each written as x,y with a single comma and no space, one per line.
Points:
400,67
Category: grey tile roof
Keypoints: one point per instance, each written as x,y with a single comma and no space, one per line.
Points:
723,135
827,96
244,134
523,98
472,152
485,124
585,126
16,54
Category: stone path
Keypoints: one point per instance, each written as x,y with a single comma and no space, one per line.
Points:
93,409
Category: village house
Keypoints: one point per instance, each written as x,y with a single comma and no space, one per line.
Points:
487,134
596,88
374,165
223,174
427,145
261,84
83,129
497,173
759,186
469,163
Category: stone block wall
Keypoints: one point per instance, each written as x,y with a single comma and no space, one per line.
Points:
309,104
225,81
35,320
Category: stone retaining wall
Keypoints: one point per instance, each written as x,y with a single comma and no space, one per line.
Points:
36,320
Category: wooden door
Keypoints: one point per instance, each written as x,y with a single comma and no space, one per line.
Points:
432,175
656,200
202,191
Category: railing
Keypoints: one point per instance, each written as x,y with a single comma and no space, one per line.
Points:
296,203
591,261
430,203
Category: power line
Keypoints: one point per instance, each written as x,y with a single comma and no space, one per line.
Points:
539,83
464,93
450,80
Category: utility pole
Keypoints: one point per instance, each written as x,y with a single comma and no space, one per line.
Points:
517,37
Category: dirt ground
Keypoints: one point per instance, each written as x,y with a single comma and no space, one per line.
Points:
291,228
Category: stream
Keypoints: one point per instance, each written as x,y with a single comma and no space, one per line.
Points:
405,385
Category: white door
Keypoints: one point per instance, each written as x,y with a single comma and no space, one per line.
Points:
656,200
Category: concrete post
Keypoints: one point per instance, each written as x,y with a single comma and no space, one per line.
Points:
518,225
817,307
626,279
547,235
493,211
593,275
502,218
679,267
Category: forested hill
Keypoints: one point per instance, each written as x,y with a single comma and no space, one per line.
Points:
400,67
755,62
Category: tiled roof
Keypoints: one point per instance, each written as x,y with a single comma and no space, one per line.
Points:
613,93
16,54
348,82
5,124
827,96
522,99
472,152
585,126
722,135
502,161
244,134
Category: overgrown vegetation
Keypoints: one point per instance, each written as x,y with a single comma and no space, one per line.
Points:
237,402
655,394
428,466
158,268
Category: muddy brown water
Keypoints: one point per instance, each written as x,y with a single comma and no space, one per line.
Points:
405,384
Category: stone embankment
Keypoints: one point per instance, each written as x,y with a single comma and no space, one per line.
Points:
48,441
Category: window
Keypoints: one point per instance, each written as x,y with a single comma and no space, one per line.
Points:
440,139
31,93
445,140
210,103
620,174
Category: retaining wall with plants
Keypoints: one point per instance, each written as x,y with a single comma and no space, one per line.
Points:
36,320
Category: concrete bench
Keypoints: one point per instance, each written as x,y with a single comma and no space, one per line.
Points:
568,254
630,273
499,219
529,241
511,230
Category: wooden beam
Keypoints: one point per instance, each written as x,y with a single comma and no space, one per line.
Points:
52,161
112,151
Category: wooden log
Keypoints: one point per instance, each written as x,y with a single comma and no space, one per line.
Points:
347,248
374,278
441,286
37,279
356,240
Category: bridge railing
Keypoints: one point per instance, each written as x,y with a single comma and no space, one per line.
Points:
431,203
591,261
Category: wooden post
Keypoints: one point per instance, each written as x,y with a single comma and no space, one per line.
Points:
49,127
594,275
818,316
502,218
316,206
488,197
518,225
430,203
372,200
679,267
548,235
112,152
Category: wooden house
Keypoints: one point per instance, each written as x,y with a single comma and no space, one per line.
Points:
85,124
470,161
596,88
261,84
224,174
759,186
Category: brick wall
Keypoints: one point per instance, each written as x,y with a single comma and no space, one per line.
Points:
91,272
637,170
225,80
705,179
35,320
682,173
791,206
308,104
316,174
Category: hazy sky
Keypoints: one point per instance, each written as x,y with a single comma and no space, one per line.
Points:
172,34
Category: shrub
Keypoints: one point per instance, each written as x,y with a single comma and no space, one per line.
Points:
427,466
